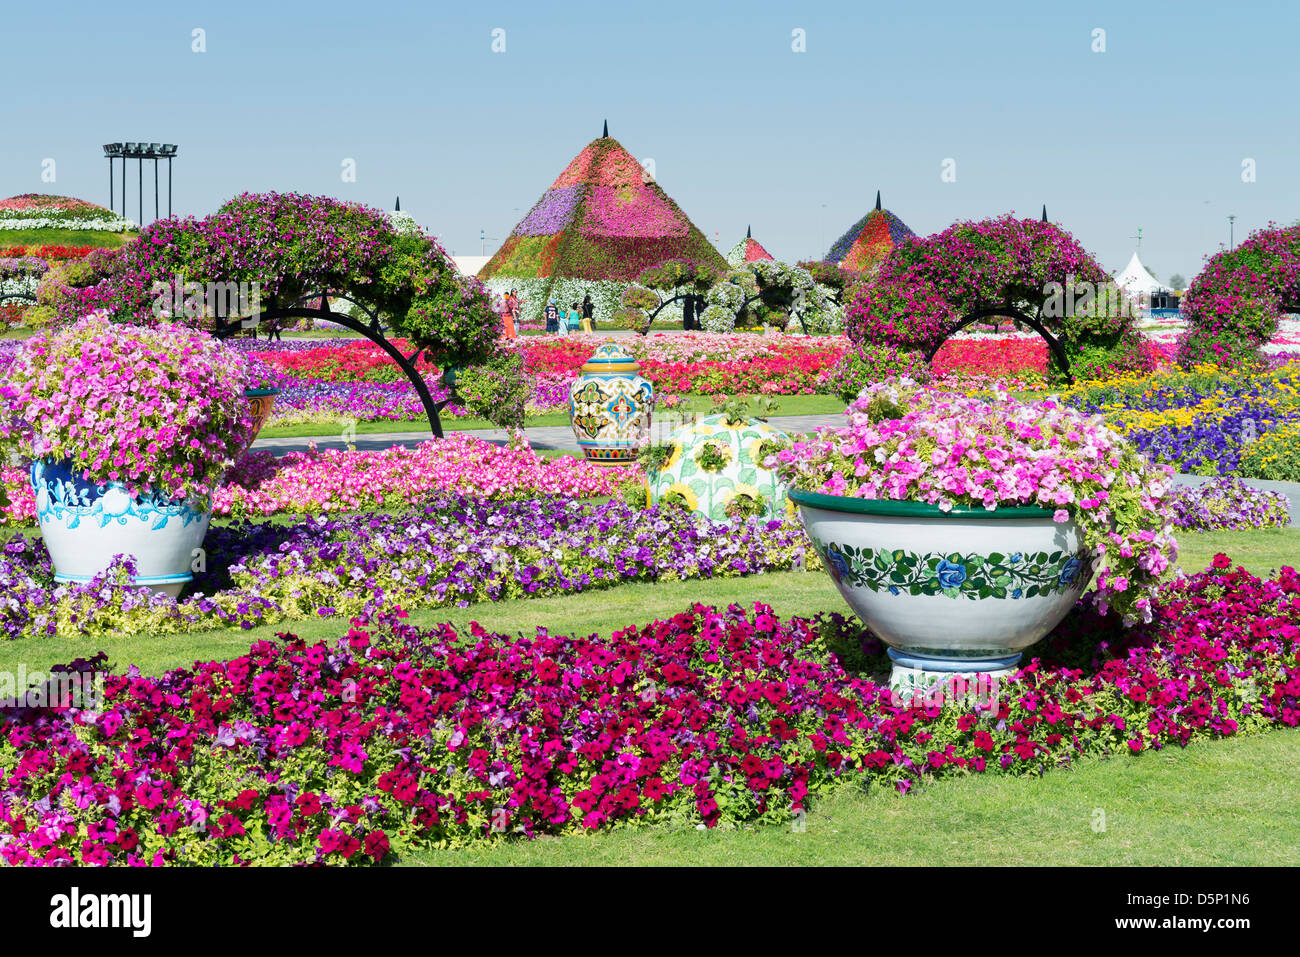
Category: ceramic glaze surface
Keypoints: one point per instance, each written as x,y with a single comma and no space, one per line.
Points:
84,524
610,406
715,461
976,586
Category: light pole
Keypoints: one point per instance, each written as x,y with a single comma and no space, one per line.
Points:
1231,220
821,227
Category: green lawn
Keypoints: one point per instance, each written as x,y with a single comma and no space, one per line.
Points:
331,427
1213,803
598,611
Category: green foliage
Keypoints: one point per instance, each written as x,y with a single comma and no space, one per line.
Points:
652,457
740,408
497,390
869,363
712,456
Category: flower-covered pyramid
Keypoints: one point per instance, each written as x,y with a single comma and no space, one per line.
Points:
869,240
601,223
746,251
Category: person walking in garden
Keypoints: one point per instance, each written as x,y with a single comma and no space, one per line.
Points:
552,314
688,313
577,321
588,314
510,312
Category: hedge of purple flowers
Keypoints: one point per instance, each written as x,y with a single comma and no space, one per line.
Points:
1228,503
453,552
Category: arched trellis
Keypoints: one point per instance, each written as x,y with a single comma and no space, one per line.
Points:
372,330
660,308
17,295
759,295
1006,312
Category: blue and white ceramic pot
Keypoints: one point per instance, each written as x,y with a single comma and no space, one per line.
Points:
85,523
610,406
957,592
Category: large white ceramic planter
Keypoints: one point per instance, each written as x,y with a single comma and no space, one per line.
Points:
959,592
84,524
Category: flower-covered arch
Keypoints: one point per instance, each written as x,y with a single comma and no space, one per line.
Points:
1234,305
275,256
778,286
1024,269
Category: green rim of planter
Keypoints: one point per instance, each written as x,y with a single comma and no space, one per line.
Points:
259,393
882,506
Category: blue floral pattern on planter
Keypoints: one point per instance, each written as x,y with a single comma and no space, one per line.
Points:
64,496
995,575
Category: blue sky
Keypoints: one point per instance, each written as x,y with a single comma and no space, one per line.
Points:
743,130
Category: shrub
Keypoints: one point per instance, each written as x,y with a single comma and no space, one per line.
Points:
869,363
497,391
1275,455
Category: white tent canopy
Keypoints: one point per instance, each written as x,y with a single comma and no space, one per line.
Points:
1137,281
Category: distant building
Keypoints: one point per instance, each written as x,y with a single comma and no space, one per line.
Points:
470,265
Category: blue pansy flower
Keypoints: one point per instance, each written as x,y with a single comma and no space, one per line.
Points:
950,575
1071,571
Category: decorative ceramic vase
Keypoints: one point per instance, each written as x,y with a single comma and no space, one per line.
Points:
84,524
714,463
610,406
957,592
261,402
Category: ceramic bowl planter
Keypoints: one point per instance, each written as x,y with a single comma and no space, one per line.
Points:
958,592
84,524
260,402
715,466
610,406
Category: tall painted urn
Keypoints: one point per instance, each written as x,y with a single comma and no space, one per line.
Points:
610,406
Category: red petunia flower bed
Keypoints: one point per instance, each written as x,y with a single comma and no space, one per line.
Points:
394,737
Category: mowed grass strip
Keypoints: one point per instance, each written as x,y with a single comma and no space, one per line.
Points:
600,611
1227,803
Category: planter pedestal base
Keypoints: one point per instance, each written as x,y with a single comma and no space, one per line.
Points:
925,676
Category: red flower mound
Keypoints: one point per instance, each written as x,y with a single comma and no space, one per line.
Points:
393,737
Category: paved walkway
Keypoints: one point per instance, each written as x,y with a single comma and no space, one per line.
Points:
556,437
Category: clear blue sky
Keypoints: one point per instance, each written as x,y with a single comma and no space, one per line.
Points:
1150,133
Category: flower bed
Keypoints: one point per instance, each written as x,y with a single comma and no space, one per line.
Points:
453,551
335,480
391,737
1228,503
1197,420
41,211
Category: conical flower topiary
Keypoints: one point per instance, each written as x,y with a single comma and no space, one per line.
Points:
602,222
747,250
869,240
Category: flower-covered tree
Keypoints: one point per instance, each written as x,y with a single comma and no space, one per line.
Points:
1019,268
1233,307
292,246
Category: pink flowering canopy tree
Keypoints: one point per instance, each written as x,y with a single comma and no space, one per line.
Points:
1233,307
298,252
1023,269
